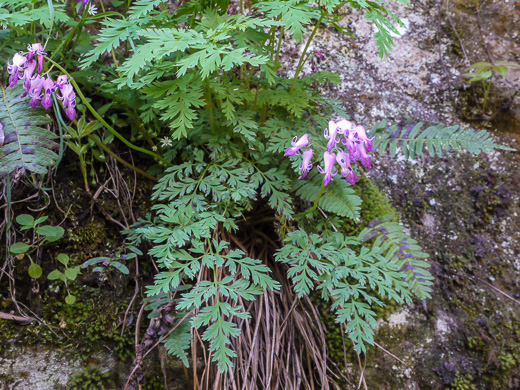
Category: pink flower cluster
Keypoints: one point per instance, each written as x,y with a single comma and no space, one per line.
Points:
39,88
354,139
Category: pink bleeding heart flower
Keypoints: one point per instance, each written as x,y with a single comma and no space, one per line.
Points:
362,136
28,74
350,141
61,81
36,49
329,160
69,100
35,92
306,165
361,154
67,95
347,172
15,68
297,144
332,135
319,55
49,88
71,111
344,126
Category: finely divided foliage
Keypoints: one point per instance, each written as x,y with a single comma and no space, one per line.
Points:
203,77
211,81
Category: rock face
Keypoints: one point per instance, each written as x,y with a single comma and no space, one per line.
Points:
462,209
47,369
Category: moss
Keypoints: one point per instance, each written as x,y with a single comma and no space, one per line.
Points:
153,382
87,239
89,325
476,343
375,205
91,379
507,361
462,382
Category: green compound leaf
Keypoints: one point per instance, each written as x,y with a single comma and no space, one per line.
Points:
178,342
339,197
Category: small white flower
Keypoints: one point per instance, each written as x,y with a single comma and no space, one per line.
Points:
92,9
154,148
166,142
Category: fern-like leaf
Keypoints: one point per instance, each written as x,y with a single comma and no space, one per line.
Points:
438,139
178,342
339,197
397,246
24,143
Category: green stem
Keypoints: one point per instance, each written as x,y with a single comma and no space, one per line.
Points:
302,58
210,107
66,42
108,151
83,167
102,121
487,88
140,127
282,32
314,207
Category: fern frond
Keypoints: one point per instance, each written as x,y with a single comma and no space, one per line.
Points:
178,342
397,246
339,197
438,139
141,8
110,37
25,143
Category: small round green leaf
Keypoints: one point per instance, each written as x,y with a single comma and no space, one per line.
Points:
72,273
25,219
52,233
19,247
63,259
35,271
54,275
70,299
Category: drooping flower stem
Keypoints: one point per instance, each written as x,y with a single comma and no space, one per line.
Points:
102,121
302,58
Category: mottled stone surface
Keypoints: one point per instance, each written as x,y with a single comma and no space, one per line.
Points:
463,209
